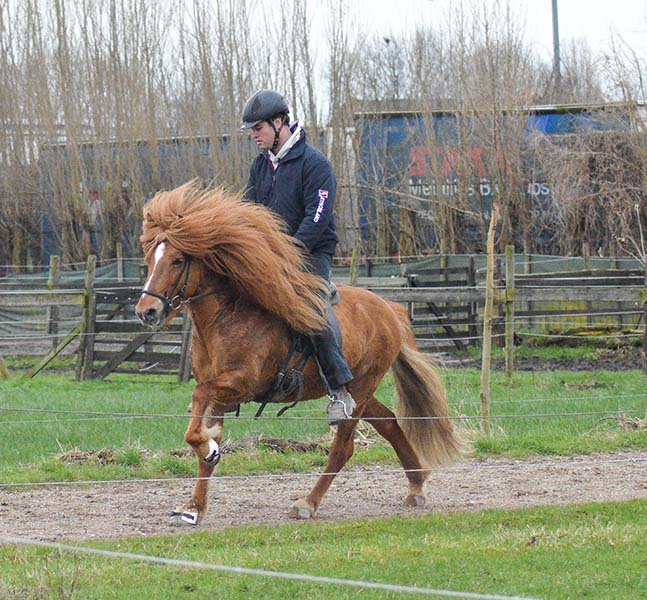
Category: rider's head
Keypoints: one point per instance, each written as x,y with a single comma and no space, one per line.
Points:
265,114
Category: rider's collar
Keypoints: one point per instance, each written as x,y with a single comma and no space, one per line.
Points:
285,148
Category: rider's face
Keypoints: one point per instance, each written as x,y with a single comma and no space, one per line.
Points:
263,135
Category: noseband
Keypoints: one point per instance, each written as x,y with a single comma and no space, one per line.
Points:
173,300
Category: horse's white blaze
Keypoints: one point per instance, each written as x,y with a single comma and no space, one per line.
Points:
159,253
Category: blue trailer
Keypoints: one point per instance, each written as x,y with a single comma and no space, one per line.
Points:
415,161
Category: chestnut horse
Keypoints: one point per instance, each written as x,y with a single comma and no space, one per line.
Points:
247,288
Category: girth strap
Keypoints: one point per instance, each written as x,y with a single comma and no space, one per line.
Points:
289,379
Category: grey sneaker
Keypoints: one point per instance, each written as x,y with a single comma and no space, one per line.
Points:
341,406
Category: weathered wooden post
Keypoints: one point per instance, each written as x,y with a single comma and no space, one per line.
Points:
586,256
488,314
354,262
52,309
473,306
84,365
184,373
613,253
120,262
509,311
526,305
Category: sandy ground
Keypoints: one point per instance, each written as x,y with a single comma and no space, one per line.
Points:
113,510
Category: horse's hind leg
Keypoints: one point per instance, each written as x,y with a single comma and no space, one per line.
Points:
340,451
384,422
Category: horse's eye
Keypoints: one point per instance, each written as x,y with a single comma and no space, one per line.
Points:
178,262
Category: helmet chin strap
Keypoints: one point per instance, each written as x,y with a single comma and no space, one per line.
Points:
276,132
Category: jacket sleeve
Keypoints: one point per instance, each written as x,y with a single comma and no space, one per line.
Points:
319,188
249,190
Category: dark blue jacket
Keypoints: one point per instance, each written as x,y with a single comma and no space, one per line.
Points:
301,191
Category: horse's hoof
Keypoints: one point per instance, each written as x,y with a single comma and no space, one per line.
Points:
213,458
182,518
301,513
415,501
302,510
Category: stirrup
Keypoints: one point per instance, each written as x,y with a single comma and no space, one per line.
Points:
339,410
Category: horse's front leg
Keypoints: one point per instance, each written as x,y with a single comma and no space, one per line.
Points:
203,434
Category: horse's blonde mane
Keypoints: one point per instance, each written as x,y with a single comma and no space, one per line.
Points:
242,241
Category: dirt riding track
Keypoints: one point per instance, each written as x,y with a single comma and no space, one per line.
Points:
113,510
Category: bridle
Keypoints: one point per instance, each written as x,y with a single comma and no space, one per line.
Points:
173,300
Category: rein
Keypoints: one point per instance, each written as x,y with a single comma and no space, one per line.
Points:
174,301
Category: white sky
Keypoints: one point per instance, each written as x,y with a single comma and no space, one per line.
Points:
593,20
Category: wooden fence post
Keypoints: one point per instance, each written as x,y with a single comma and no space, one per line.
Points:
52,309
84,365
184,373
613,253
526,305
354,262
473,306
488,311
509,311
120,262
586,256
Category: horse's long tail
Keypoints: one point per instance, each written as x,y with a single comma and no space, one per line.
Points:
422,409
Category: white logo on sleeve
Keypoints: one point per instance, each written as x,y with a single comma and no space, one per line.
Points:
323,196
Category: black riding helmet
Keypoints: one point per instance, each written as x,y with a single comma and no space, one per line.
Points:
264,105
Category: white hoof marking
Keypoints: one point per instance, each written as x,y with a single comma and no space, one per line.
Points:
186,517
213,456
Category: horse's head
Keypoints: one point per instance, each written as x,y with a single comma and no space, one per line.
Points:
173,280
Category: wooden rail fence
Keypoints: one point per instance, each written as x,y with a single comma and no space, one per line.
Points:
445,305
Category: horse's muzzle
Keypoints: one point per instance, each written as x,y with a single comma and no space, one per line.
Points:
150,312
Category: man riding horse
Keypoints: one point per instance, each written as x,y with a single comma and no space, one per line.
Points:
296,181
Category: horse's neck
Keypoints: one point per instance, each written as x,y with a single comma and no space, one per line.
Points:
227,335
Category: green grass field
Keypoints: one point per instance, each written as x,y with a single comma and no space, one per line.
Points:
536,413
594,551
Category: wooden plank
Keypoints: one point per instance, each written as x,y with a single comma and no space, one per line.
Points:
424,272
539,313
54,352
579,281
442,320
426,294
120,342
582,273
147,371
126,295
421,310
124,354
429,283
435,345
371,282
132,327
432,322
593,293
40,298
166,358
